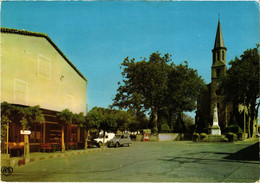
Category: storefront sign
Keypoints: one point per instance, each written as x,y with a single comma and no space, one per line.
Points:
25,132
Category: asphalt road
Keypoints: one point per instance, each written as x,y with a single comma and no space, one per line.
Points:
151,162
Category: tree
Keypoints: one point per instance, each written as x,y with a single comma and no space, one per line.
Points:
157,86
32,116
184,88
104,119
241,84
27,116
145,85
189,122
65,116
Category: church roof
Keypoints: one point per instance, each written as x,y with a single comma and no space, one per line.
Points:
219,41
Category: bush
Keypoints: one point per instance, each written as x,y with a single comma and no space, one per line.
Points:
195,137
233,129
231,137
165,128
203,136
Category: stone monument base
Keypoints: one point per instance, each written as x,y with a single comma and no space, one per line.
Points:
215,138
215,130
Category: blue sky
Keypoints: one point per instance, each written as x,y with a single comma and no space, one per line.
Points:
97,36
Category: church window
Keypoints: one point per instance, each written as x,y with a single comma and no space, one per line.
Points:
223,55
218,55
218,72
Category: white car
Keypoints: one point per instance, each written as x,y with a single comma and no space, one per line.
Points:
99,140
120,140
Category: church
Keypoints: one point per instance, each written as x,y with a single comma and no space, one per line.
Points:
212,95
227,113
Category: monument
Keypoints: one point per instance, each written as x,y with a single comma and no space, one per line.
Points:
215,129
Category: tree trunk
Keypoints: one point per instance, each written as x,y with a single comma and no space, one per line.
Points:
86,138
253,121
155,121
62,139
104,136
248,127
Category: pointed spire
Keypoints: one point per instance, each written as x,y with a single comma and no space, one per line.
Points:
219,42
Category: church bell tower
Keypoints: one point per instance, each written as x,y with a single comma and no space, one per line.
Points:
218,70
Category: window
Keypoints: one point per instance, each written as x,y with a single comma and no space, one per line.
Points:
223,55
44,67
217,55
20,92
218,72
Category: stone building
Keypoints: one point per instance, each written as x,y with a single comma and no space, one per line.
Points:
34,71
212,95
228,114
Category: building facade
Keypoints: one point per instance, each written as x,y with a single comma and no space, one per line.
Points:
212,95
34,71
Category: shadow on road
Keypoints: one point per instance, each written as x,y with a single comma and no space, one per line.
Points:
250,153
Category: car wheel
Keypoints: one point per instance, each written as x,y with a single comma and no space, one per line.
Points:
117,144
129,145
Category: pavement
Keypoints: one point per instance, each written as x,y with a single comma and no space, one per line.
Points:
174,161
40,156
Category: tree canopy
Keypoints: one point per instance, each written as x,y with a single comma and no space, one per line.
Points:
241,83
157,85
26,116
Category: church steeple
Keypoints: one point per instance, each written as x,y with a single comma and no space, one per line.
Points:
219,42
218,70
219,55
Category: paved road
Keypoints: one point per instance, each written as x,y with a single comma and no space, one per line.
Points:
151,162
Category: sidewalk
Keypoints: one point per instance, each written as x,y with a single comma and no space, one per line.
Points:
38,156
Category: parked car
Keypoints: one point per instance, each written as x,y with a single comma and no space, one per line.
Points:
120,140
91,142
99,140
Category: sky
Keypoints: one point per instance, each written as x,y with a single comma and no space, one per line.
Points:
96,36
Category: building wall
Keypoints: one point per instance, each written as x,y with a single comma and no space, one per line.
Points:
33,73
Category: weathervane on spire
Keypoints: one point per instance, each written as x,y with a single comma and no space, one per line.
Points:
218,16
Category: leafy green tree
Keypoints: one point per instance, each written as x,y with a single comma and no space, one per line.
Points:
189,123
27,116
241,84
6,117
145,85
184,88
79,119
104,119
32,116
157,86
65,116
93,119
